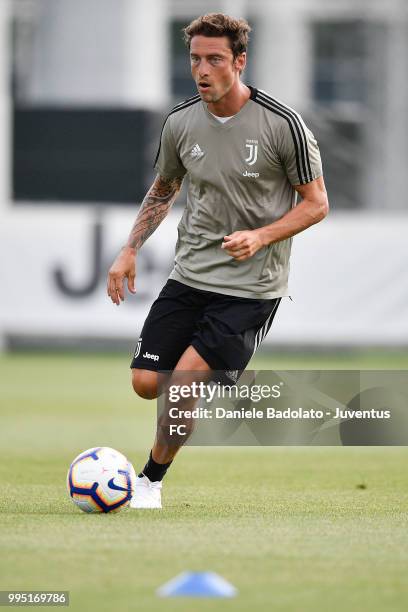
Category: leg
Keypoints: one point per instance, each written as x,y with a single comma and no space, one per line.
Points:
190,368
147,383
229,353
230,331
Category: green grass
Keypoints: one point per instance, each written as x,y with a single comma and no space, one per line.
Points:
289,527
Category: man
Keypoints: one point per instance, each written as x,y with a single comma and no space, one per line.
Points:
246,157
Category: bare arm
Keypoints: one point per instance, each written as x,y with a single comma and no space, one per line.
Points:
313,208
154,208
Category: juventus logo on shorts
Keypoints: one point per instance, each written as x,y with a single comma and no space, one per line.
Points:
138,347
252,145
232,375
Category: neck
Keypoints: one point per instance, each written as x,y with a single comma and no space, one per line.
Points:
232,102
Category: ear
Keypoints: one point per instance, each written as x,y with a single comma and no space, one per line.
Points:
240,61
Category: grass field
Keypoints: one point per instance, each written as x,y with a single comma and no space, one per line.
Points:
289,527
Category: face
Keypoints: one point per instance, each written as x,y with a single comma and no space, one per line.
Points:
213,66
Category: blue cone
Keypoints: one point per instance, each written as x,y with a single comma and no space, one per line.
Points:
197,584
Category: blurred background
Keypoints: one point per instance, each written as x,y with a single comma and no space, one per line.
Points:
84,88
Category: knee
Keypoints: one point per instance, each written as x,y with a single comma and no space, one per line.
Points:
144,383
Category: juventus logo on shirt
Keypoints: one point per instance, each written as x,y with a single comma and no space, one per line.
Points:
252,145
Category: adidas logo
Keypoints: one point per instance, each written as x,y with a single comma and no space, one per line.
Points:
196,152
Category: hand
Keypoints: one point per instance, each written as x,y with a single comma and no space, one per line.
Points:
242,245
124,266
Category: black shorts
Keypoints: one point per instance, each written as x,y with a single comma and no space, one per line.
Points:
225,330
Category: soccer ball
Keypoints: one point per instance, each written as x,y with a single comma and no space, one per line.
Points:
101,480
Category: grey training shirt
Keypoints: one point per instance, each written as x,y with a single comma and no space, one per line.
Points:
240,177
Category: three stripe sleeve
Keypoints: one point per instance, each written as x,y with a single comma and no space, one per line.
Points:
297,146
168,163
300,170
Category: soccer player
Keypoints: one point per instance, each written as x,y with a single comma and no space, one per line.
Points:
246,156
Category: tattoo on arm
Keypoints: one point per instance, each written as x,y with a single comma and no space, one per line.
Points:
154,209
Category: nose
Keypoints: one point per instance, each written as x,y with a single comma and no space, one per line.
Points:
203,69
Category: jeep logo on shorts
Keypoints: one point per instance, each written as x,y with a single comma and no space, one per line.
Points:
150,356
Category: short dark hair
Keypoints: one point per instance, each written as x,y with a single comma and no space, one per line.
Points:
218,24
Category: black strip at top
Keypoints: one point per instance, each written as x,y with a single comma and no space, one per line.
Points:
254,92
293,122
298,122
178,107
277,112
295,125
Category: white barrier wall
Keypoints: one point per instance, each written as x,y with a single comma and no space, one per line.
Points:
348,279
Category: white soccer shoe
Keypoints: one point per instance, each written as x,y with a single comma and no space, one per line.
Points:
147,494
